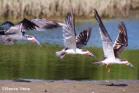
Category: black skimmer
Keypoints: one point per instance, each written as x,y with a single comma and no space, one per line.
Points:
17,32
111,52
72,42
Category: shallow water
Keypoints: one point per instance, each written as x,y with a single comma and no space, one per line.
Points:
54,36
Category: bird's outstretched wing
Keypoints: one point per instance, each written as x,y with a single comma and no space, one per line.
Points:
22,26
106,40
69,32
27,24
6,25
122,40
83,38
43,23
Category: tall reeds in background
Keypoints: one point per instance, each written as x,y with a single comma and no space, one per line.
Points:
14,9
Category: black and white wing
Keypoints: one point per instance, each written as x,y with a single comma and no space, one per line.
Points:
6,25
27,24
106,40
43,23
69,32
83,38
22,26
121,42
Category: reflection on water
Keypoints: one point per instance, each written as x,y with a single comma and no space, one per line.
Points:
33,62
54,36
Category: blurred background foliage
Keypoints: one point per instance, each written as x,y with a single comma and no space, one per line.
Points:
17,9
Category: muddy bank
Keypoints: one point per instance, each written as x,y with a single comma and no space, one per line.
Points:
15,9
68,86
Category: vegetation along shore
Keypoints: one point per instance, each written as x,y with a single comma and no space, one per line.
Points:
16,9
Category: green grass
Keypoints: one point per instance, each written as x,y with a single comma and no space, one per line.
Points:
34,62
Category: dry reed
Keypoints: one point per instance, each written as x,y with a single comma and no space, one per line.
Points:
15,9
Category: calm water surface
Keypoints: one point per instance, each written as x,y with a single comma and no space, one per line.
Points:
54,36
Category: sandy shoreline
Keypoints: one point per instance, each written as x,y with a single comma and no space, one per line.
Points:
68,86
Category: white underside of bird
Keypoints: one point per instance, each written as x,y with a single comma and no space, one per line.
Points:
109,61
62,53
75,51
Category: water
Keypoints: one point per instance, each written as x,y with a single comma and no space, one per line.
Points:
34,62
54,36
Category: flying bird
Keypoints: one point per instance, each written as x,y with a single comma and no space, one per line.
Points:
72,42
10,32
17,32
38,23
112,52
